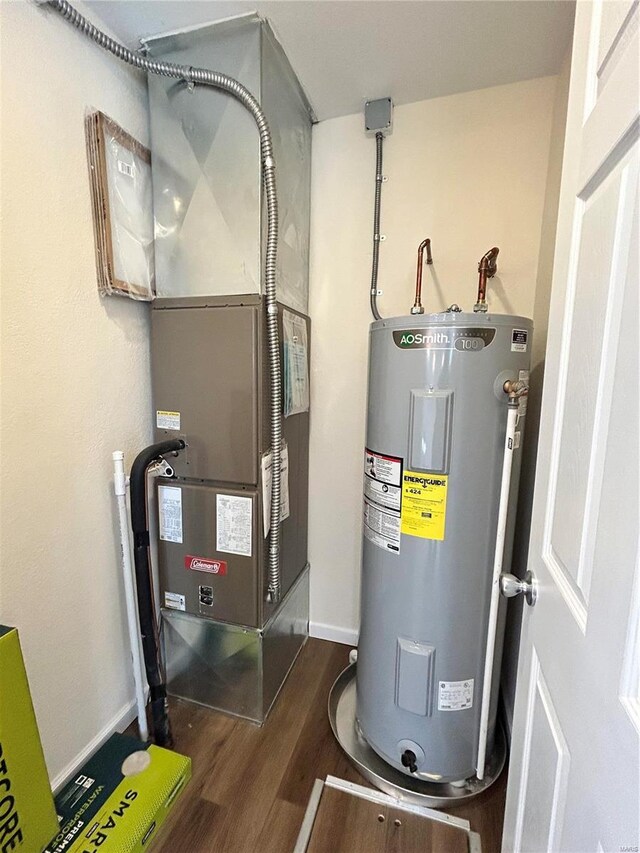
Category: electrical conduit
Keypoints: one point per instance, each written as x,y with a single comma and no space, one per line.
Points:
373,299
227,84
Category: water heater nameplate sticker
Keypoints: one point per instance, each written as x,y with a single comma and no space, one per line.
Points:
424,504
233,524
174,601
455,695
382,500
170,513
464,340
167,420
519,339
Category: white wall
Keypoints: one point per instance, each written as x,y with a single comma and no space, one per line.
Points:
470,172
75,382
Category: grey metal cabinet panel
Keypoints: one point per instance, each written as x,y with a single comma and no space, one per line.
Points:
234,587
205,367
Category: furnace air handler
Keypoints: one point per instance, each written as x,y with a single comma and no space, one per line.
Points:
227,643
433,468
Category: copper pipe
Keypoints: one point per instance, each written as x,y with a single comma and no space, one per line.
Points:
417,305
487,268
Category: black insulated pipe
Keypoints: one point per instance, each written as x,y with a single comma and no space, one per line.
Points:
160,726
373,299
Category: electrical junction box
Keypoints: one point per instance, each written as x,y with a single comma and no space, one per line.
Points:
378,117
119,800
27,813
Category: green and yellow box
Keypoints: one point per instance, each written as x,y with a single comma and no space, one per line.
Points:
120,798
27,813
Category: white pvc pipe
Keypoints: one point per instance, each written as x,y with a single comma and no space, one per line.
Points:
120,488
503,509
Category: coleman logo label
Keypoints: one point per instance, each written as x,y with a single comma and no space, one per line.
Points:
463,340
201,564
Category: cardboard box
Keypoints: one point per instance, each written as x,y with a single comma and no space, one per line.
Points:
27,813
120,798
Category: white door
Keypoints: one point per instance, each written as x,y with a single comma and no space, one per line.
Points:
575,762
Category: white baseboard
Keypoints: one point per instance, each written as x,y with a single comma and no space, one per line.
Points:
322,631
120,720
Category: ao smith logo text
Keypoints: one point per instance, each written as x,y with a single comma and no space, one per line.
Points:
463,340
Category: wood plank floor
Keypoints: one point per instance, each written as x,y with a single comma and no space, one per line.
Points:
250,785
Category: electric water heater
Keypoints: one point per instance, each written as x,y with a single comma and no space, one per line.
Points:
435,444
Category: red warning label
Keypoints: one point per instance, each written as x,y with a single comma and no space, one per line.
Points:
201,564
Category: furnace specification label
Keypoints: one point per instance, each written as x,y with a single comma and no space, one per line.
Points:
424,504
382,500
170,513
234,523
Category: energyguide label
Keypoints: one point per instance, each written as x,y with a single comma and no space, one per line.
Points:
424,504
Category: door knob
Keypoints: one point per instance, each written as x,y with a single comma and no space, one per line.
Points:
510,585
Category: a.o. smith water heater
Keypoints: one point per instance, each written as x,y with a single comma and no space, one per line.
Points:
433,472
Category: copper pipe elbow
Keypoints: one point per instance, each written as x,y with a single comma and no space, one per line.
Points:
487,268
417,305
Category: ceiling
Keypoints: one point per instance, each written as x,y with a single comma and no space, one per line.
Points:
345,51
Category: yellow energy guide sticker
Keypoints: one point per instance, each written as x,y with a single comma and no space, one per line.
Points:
424,504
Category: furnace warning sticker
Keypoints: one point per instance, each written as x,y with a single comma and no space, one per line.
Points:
424,504
455,695
170,513
167,420
233,524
